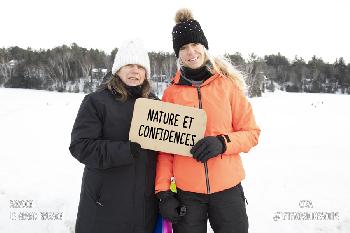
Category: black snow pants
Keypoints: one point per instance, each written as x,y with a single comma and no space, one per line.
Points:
225,210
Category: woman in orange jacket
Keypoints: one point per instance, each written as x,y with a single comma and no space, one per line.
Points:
209,183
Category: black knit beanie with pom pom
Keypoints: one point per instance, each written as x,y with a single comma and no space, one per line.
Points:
187,30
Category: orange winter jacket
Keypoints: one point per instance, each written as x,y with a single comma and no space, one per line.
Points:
228,113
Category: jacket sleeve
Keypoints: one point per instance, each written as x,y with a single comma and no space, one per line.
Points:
246,132
87,144
164,170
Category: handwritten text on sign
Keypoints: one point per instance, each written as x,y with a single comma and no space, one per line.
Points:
166,127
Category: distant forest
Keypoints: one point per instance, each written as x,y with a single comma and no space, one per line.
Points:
76,69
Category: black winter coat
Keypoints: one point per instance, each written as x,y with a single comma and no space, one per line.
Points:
117,192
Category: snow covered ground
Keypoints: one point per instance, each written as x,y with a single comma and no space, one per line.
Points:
299,170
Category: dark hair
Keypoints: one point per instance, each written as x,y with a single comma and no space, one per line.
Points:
117,87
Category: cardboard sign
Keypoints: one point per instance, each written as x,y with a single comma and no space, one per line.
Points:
166,127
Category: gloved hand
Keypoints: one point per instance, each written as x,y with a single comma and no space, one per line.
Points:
135,149
169,207
208,147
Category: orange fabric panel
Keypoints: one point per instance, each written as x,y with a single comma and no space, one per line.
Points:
228,113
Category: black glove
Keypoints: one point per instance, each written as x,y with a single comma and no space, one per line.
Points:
135,149
208,147
169,207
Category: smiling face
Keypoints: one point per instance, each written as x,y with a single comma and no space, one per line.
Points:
192,55
132,74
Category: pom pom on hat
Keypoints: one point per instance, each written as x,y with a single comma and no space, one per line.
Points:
183,15
132,52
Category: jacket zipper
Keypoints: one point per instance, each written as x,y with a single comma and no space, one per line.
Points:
205,164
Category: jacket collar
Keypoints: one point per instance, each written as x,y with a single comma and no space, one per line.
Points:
179,80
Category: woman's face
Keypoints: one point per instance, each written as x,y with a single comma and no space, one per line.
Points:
192,55
132,74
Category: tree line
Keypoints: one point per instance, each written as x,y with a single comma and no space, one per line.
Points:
77,69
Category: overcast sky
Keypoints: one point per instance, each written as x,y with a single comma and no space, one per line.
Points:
291,27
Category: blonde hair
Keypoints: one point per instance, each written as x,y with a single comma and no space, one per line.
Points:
224,67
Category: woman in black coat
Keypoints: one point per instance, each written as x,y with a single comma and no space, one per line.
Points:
117,192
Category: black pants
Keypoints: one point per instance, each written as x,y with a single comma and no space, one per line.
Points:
225,210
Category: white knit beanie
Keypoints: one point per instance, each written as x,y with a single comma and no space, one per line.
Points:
132,52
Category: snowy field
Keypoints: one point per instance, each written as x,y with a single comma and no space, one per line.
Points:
298,178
